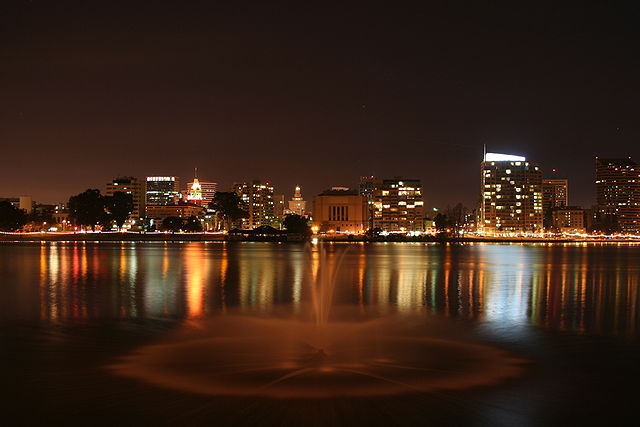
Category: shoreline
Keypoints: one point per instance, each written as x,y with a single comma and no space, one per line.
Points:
218,237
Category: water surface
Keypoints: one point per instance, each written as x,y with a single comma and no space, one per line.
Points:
68,311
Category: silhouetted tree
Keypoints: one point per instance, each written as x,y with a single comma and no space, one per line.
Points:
227,206
456,218
120,205
441,222
40,217
88,208
11,218
192,224
297,224
172,223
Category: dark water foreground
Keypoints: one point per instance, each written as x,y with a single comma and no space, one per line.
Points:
220,334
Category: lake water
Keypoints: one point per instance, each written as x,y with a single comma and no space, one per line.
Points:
467,334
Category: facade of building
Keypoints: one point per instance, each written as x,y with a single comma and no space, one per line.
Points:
279,210
162,191
366,188
201,192
340,209
569,219
22,202
160,212
398,205
133,186
618,192
555,193
511,195
257,201
297,205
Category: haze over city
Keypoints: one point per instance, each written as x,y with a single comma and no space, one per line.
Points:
315,95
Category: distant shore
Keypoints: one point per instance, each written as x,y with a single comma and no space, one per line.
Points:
203,237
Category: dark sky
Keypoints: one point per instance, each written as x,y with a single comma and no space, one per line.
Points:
310,93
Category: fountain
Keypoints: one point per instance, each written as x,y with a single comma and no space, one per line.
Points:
324,355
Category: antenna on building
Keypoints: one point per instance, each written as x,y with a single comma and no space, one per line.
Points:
195,172
484,151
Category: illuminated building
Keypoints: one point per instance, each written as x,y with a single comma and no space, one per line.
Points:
618,191
340,209
511,195
129,185
555,193
160,212
568,219
278,207
398,205
257,201
201,192
162,190
297,204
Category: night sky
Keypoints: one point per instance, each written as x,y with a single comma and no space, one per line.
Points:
315,95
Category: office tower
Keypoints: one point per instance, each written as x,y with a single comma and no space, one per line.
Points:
398,205
366,188
162,190
279,210
555,193
511,195
133,186
340,209
297,204
257,201
201,192
618,192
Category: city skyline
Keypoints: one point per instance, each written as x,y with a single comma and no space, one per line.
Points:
270,92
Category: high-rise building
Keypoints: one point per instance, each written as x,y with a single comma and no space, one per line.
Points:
555,193
511,195
279,210
201,192
257,200
618,192
398,205
133,186
297,204
340,209
162,191
367,188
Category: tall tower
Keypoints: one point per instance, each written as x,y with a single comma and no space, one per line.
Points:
162,190
195,192
257,200
511,195
297,204
398,205
618,192
129,185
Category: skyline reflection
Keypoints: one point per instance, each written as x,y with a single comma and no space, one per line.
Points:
578,288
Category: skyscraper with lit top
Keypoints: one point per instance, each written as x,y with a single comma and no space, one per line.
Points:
511,195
